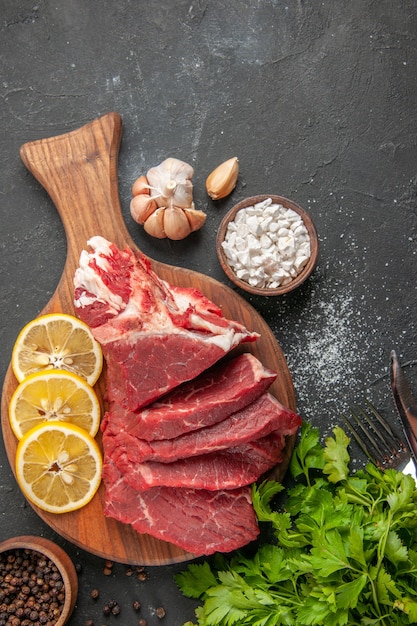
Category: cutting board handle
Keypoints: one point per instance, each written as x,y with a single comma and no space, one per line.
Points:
79,171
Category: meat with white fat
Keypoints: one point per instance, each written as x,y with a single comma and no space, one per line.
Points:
154,336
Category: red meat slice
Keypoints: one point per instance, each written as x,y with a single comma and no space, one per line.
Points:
154,336
199,521
227,469
214,395
262,417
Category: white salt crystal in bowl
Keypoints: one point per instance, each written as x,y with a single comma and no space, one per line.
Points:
267,245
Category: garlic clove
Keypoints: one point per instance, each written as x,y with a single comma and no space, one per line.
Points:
183,197
176,224
141,207
196,219
223,179
154,225
140,186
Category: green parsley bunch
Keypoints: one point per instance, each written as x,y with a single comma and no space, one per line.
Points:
345,550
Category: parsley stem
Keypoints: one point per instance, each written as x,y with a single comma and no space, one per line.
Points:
355,498
383,542
375,597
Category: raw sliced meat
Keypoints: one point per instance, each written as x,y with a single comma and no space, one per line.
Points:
157,338
214,395
227,469
199,521
260,418
154,336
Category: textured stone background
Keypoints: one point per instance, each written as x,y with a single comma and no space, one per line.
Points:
318,101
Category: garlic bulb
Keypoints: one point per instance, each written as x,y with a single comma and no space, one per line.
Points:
163,201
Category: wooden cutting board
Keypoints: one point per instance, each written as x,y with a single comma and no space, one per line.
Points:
79,171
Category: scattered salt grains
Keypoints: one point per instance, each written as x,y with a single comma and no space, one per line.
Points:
267,245
330,368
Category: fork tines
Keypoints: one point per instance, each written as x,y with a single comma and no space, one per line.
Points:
374,435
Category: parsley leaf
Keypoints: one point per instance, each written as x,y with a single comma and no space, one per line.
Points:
337,457
196,580
345,550
308,455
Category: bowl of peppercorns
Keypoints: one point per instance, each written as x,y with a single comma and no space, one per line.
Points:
38,582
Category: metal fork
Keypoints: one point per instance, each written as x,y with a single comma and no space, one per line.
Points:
378,441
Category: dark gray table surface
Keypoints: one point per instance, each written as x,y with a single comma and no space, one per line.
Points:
317,99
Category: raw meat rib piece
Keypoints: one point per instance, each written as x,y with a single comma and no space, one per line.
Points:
214,395
199,521
227,469
260,418
154,336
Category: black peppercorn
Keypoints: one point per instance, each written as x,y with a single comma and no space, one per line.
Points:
28,581
116,610
106,610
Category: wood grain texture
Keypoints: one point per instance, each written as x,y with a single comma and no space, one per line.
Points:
79,171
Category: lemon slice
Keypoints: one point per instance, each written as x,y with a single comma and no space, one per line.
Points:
58,466
54,395
60,341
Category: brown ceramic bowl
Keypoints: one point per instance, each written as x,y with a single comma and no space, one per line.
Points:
59,557
296,281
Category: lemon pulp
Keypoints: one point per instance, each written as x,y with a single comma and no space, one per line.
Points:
57,341
54,395
58,466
